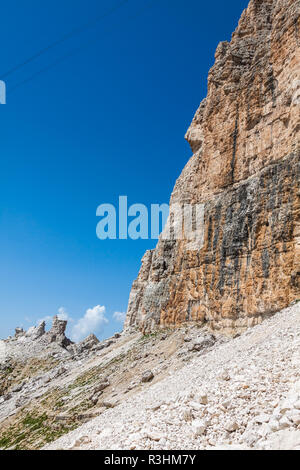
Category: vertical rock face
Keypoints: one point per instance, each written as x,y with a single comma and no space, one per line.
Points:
245,171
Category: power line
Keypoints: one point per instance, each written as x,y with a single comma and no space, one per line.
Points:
64,38
74,51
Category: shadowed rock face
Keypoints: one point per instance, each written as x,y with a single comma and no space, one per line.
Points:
246,172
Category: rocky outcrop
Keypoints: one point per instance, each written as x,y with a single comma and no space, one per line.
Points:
19,332
57,333
36,342
36,332
88,344
245,172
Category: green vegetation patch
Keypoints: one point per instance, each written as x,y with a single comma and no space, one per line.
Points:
33,431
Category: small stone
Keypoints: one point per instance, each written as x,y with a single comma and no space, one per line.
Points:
250,438
108,404
147,376
18,388
154,435
284,423
202,343
61,418
156,406
226,403
199,427
273,425
81,441
94,398
187,339
224,376
102,386
263,418
294,416
196,406
203,398
245,386
187,415
231,426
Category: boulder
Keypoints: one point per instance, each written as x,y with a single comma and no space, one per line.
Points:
19,332
202,342
89,343
102,386
147,376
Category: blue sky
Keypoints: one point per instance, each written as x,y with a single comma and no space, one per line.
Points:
108,120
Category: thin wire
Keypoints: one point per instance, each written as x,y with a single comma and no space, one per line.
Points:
64,38
73,51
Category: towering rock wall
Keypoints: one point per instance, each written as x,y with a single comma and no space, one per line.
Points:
245,170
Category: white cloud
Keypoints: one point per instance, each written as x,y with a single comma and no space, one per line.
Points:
91,322
62,315
119,317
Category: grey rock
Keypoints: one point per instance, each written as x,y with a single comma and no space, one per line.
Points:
88,344
102,386
18,388
57,333
202,342
94,398
56,373
7,396
36,332
19,332
147,376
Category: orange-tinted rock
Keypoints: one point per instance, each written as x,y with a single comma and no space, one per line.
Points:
246,172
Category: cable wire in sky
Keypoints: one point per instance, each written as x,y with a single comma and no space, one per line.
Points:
74,51
64,38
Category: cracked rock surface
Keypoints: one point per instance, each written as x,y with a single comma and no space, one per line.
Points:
242,261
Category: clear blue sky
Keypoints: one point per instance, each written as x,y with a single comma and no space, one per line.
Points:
107,121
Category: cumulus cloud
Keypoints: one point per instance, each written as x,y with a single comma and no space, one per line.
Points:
62,315
92,322
119,317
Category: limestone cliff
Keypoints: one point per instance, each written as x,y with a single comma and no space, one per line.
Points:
245,170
